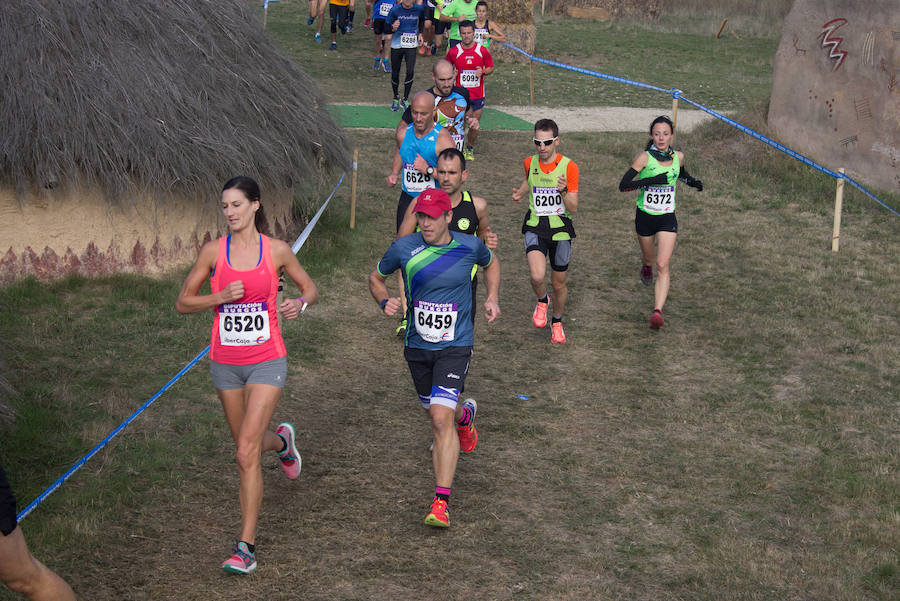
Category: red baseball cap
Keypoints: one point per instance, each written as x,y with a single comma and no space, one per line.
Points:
434,202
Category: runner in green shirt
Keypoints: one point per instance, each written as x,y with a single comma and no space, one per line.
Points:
455,13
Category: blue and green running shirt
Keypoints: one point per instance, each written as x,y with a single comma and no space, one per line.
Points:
437,281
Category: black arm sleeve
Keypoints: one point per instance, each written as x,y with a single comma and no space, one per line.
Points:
629,183
693,182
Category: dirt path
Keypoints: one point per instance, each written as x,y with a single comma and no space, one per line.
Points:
605,118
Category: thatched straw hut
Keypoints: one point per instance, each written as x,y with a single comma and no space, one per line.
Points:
516,19
121,121
617,9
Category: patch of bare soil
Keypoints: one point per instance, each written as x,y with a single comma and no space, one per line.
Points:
606,118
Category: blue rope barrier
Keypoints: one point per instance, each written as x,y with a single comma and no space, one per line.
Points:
301,239
582,70
675,93
105,441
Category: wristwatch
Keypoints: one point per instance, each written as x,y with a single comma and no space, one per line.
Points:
430,171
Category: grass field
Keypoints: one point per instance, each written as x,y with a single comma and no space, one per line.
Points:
732,74
747,451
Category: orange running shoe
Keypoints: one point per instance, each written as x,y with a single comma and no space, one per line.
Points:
539,317
439,516
468,435
656,320
557,336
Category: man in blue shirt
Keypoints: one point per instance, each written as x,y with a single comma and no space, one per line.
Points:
437,266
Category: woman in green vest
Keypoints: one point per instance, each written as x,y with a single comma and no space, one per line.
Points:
655,172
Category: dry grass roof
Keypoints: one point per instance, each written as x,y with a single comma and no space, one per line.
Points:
160,95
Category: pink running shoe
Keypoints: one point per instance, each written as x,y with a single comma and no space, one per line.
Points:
439,516
290,457
539,317
656,320
242,561
557,335
468,435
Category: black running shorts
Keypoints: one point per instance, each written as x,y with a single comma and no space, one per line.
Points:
8,521
446,367
646,224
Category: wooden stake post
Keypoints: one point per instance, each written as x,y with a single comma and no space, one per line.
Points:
531,68
723,26
674,113
838,208
353,189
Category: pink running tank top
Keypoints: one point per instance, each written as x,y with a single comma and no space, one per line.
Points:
246,331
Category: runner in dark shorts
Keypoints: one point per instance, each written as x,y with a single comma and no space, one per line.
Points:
437,266
655,173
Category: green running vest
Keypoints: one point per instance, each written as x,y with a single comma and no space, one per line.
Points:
659,200
547,215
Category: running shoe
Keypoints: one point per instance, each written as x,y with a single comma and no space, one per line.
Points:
468,435
290,457
557,336
432,50
242,560
310,20
405,103
377,64
422,50
656,320
647,275
469,153
368,23
333,46
318,37
401,329
539,317
395,105
439,515
386,65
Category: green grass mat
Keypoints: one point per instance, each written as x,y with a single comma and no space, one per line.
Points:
349,115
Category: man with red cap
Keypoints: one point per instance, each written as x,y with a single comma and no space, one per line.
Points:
437,266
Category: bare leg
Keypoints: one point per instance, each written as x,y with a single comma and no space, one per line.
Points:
537,265
26,575
560,292
472,134
648,251
446,444
402,296
665,248
249,411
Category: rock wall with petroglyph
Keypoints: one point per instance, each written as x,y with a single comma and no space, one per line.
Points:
836,89
56,233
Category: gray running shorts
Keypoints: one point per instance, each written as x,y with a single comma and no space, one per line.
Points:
559,251
229,377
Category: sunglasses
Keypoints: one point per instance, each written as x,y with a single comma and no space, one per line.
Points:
544,142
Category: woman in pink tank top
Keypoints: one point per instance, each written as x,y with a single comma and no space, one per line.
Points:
247,353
